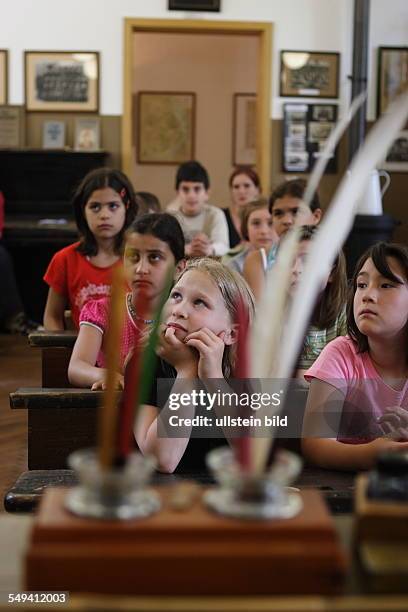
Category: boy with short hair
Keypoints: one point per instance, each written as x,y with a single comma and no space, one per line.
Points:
204,225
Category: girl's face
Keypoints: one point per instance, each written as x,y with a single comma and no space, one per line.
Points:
298,265
147,262
196,302
105,213
260,229
243,190
288,210
380,304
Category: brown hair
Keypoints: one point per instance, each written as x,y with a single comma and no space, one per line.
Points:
247,211
295,189
234,291
378,253
333,299
247,171
101,178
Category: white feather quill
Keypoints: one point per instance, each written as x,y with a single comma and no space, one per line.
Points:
267,331
335,228
329,240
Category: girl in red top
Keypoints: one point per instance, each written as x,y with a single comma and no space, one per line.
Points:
104,206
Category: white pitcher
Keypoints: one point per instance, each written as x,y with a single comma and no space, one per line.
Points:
371,201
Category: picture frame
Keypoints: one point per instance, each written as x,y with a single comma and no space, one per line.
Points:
3,76
194,5
396,159
53,135
311,74
12,127
87,134
244,129
62,81
392,75
165,127
306,128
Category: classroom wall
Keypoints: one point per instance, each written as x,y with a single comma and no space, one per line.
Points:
191,62
298,24
93,25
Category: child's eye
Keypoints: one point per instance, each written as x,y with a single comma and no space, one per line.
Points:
155,257
114,205
175,295
387,285
95,207
277,213
361,285
200,302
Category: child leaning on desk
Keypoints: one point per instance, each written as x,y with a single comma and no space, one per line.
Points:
104,206
197,345
154,245
358,384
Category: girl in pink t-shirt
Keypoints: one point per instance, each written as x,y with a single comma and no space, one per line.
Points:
104,206
358,385
154,244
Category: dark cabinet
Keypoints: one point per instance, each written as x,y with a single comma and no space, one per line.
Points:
38,186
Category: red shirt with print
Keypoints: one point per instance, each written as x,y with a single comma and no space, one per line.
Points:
73,276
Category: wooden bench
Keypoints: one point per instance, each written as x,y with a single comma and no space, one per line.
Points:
56,348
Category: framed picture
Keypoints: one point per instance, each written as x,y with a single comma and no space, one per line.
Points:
64,81
165,127
397,156
392,75
87,134
3,76
194,5
306,127
309,74
11,127
53,135
244,129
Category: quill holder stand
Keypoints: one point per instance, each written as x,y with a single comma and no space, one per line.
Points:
114,493
242,494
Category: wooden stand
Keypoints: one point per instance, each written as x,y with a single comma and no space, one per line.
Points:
194,552
381,536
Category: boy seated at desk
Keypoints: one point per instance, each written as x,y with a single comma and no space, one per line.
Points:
204,225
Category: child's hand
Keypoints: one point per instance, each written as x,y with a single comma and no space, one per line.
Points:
394,423
211,350
101,384
177,353
380,445
200,246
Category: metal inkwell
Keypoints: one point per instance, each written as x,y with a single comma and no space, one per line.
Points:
114,493
242,494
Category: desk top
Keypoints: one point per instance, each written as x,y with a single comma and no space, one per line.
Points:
336,487
46,339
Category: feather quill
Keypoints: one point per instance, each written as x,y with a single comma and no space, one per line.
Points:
328,242
266,338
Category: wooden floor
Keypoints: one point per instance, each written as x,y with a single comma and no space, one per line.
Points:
20,366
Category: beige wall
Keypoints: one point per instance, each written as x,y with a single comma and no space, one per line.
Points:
213,66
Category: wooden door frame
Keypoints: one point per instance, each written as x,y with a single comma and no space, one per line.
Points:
260,29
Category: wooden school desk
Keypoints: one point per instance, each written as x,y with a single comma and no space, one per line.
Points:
56,348
336,487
